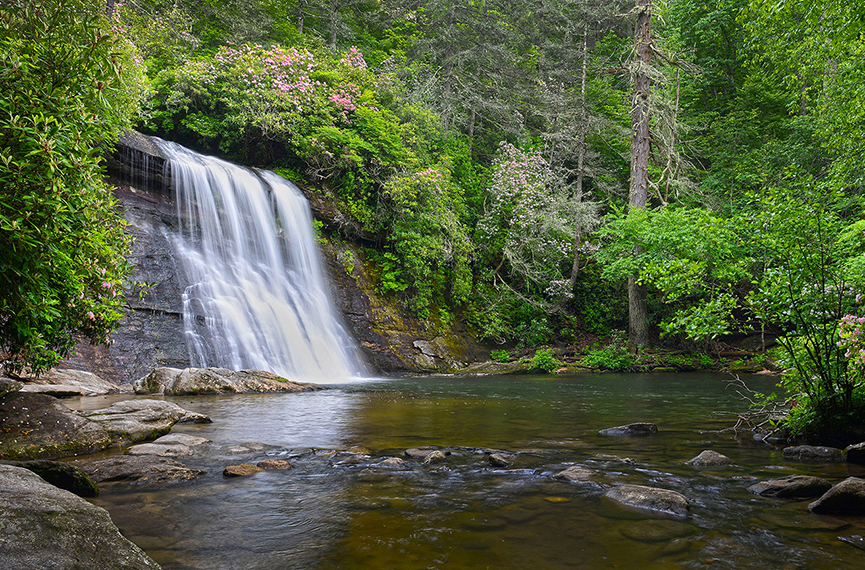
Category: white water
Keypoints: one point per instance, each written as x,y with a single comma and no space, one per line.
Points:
256,294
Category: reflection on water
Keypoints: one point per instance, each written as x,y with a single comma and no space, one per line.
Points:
341,508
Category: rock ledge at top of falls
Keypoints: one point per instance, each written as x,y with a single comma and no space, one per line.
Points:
47,527
191,381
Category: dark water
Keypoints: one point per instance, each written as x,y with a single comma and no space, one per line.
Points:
338,508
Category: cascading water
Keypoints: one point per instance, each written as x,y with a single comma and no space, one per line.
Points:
256,295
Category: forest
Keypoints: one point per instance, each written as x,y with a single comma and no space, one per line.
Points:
649,173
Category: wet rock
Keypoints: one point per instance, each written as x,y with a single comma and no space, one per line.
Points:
145,469
242,470
62,475
137,420
661,501
857,541
435,457
170,445
504,460
636,429
181,439
792,486
273,464
814,453
418,453
709,458
394,463
191,381
856,453
8,385
574,473
46,527
845,498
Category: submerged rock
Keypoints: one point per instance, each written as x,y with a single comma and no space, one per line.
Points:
242,470
640,428
814,453
661,501
845,498
48,528
191,381
709,458
792,486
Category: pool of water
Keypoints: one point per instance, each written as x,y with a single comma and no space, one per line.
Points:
340,508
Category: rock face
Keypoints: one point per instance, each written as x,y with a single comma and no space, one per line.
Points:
792,487
814,453
845,498
661,501
36,426
709,458
190,381
637,429
46,527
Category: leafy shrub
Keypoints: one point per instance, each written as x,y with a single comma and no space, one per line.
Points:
614,356
545,360
500,355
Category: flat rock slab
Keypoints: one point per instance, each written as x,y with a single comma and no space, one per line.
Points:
709,458
637,429
48,528
651,499
147,469
814,454
792,487
191,381
57,390
89,384
845,498
574,473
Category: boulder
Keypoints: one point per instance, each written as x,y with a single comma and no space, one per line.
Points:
709,458
845,498
504,460
86,383
138,420
641,428
394,463
62,475
418,453
792,487
8,385
856,453
814,453
46,527
660,501
574,473
242,470
435,457
191,381
145,469
171,445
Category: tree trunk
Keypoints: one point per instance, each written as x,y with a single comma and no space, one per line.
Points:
581,158
301,4
638,313
334,22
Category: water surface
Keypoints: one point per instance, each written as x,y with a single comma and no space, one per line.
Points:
340,508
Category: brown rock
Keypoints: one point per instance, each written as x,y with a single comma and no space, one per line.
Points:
574,473
273,464
242,470
709,458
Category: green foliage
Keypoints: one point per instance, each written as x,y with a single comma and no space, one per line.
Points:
614,356
500,355
67,85
545,360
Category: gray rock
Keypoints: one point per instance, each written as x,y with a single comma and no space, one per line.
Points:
145,469
62,475
502,459
640,428
814,453
190,381
845,498
435,457
394,463
792,486
90,384
181,439
48,528
56,390
138,420
418,453
8,385
574,473
856,453
709,458
661,501
160,450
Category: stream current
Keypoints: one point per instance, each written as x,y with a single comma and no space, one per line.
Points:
339,507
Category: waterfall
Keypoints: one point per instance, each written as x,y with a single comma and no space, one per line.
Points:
256,294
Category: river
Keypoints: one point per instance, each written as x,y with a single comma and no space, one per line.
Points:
340,508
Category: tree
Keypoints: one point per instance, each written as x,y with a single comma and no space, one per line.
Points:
67,86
